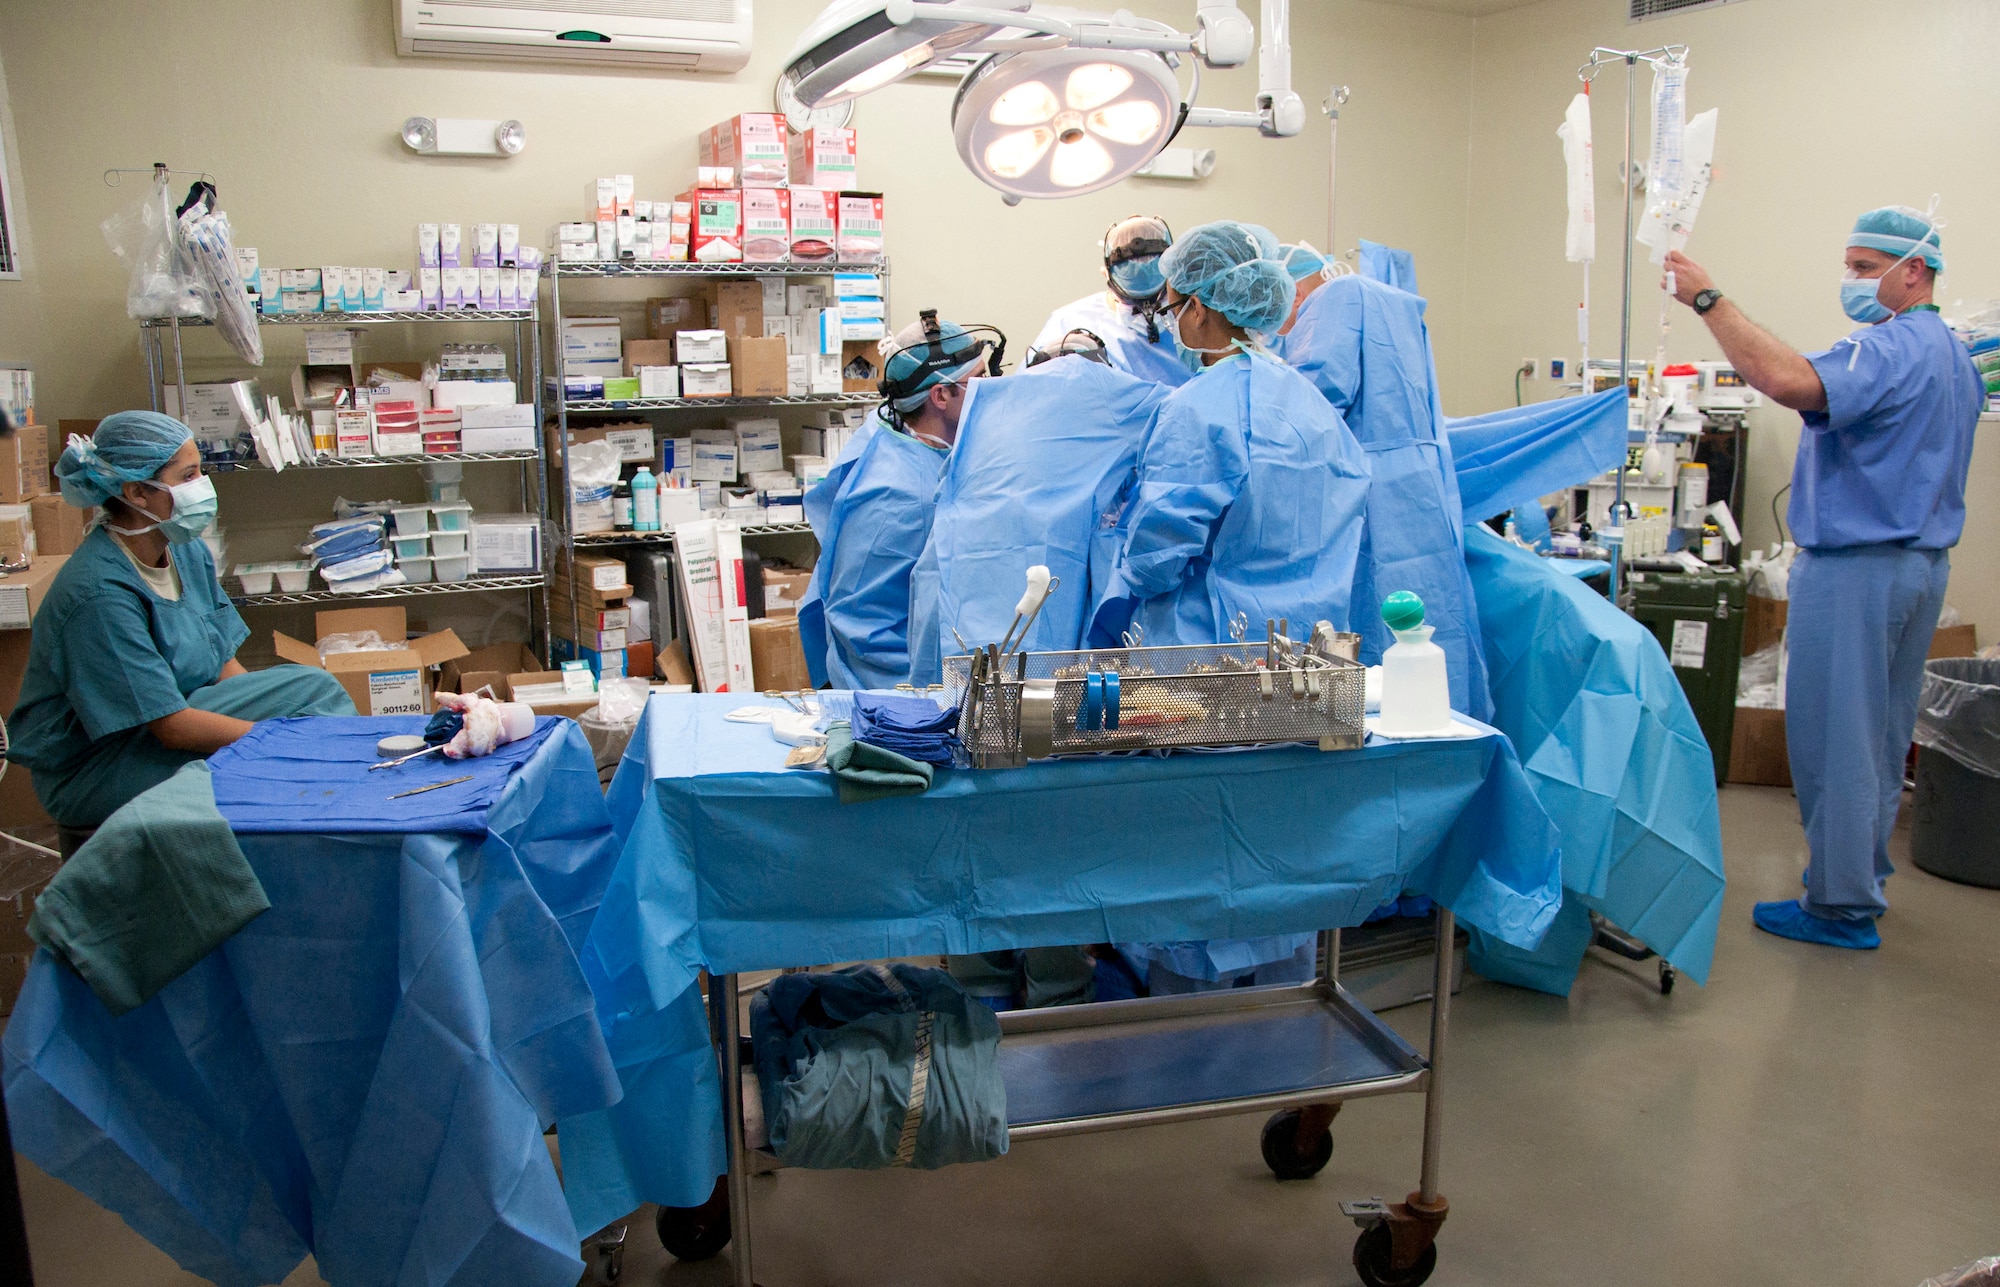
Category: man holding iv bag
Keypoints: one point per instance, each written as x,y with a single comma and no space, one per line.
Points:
1878,498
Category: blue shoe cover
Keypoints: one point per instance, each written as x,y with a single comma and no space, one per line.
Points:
1787,919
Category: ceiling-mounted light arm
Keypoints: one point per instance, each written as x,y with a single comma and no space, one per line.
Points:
1283,111
1078,31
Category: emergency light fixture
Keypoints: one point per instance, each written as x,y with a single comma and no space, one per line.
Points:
1065,102
441,136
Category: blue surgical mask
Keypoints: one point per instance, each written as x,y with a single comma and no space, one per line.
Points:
1139,278
1860,300
194,511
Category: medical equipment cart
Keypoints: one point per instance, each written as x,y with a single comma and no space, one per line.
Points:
1301,1050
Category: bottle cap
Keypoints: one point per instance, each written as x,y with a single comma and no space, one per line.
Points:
1402,611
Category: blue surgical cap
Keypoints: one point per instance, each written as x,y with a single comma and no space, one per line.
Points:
128,447
1900,231
1301,261
910,350
1231,268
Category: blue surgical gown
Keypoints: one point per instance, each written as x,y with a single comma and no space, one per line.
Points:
1124,336
1388,265
1250,498
819,513
1365,347
872,520
1885,463
109,656
1043,463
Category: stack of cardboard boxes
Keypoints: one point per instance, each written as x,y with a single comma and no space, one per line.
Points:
589,619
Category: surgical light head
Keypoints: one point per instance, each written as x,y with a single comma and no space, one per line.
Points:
928,353
1232,269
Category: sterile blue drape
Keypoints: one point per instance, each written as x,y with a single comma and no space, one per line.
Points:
1507,459
1388,265
362,1073
1365,347
1038,475
1616,757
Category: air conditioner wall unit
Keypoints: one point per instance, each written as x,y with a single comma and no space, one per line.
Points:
688,35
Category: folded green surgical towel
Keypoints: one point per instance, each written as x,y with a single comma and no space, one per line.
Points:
866,772
160,886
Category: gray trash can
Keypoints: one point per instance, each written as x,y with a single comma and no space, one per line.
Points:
1955,832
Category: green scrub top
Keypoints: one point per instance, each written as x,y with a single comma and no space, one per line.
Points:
109,656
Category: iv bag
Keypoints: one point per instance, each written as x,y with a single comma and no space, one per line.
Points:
1665,177
1581,236
1668,225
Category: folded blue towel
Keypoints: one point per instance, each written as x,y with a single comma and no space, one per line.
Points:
911,726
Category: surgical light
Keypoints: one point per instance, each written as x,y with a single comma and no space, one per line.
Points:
853,48
1062,122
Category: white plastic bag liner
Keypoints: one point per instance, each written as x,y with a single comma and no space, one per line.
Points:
1959,713
1581,235
161,278
593,473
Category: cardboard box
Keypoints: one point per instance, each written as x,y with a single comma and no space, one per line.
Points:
588,598
59,525
1763,624
823,157
24,465
17,536
21,594
639,660
860,367
667,316
784,590
814,219
1955,641
753,145
716,235
394,681
705,380
858,232
777,658
757,367
567,707
738,307
697,347
487,667
1757,754
648,352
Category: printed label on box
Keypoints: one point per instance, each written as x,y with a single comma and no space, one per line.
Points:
14,608
396,692
1690,650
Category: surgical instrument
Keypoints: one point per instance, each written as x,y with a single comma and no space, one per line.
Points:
405,759
435,786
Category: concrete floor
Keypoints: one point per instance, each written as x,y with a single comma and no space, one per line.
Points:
1812,1116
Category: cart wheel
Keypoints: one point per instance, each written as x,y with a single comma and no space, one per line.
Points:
1282,1152
1667,976
1372,1251
696,1233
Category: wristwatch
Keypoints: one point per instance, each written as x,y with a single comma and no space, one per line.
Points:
1706,299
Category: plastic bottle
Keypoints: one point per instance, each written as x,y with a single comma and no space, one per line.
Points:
645,501
1416,694
621,507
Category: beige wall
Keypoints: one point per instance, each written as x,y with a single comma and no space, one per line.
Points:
1827,108
311,171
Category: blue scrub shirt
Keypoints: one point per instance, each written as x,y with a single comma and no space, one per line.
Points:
1124,337
109,656
1886,462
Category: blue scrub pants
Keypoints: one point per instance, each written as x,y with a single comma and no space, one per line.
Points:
139,762
1857,631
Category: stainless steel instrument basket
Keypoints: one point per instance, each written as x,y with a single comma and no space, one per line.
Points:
1026,705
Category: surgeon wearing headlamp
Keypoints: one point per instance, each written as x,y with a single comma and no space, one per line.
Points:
1878,497
1124,316
132,669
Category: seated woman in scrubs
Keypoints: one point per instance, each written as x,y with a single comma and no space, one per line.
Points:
1249,500
132,669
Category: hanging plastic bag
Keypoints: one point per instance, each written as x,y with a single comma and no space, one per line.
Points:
593,473
1984,1272
205,232
162,281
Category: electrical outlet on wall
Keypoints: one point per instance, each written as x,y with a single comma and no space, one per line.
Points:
1555,368
1528,367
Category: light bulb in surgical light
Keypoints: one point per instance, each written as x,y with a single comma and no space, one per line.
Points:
885,72
1095,84
1078,163
511,137
1012,155
1029,103
420,134
1132,122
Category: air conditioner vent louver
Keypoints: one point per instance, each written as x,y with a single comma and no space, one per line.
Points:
679,35
665,10
1641,10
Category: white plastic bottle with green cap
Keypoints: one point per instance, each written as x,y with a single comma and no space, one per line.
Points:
1416,694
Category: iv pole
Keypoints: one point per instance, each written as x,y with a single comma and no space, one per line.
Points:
1614,535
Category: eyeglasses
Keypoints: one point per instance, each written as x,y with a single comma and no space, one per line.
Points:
1176,306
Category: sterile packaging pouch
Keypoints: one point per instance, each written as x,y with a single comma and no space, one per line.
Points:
767,225
815,216
753,145
427,246
858,232
593,473
716,233
391,681
823,157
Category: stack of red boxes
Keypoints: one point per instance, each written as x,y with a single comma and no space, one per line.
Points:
441,432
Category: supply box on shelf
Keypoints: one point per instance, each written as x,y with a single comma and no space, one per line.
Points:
21,594
392,681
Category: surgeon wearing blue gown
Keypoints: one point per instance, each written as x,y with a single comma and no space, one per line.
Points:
874,518
1125,315
1249,499
1878,498
132,669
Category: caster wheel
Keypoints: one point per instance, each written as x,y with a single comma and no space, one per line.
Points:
1371,1261
696,1233
1283,1154
1667,976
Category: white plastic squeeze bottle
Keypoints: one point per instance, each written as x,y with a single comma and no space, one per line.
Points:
1416,694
